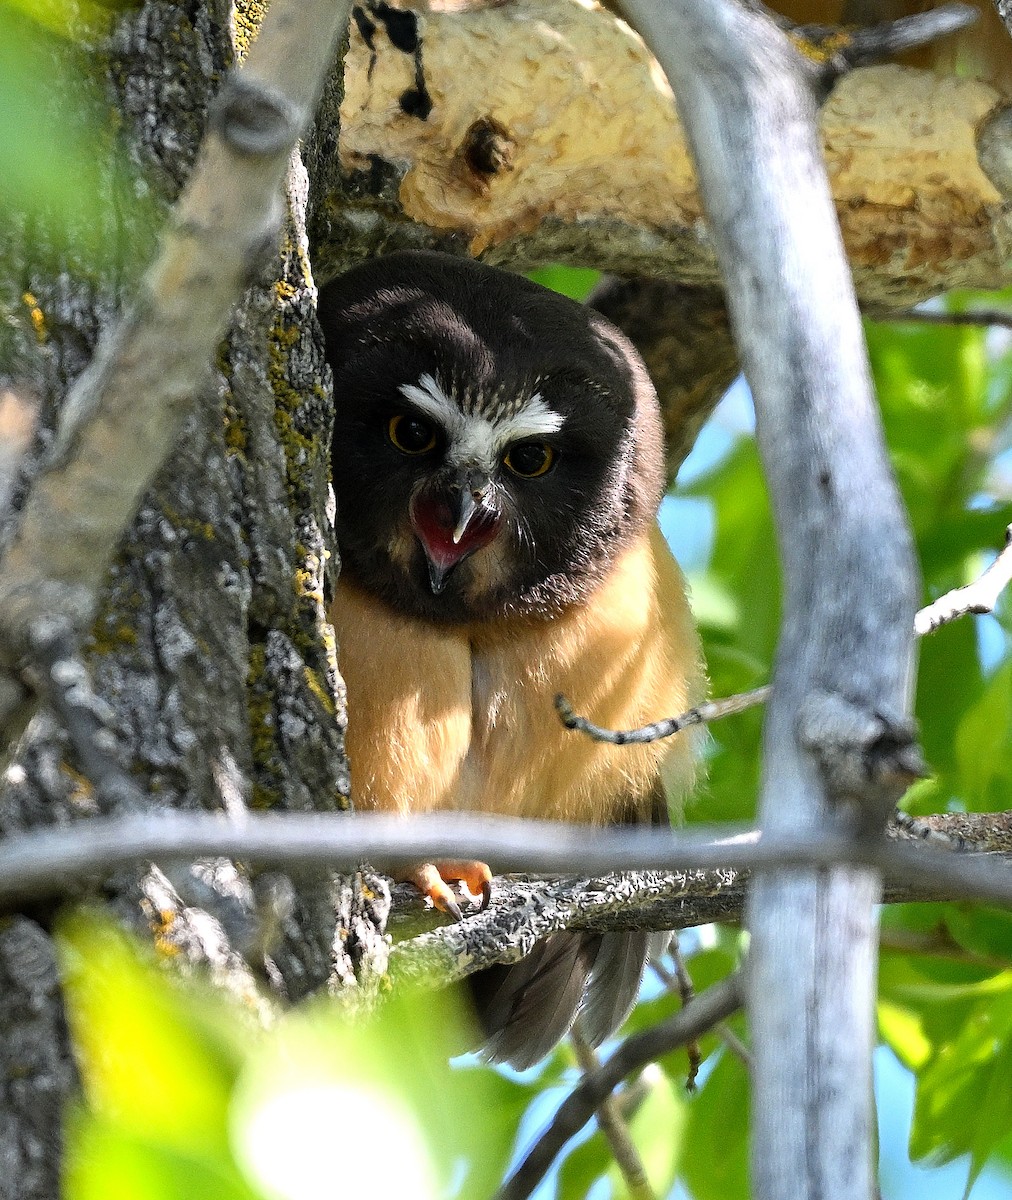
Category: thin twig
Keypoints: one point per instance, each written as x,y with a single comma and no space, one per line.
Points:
939,943
978,597
727,1034
713,710
703,1013
734,1043
847,48
686,991
975,316
613,1126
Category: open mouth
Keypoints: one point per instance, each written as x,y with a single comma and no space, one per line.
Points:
450,530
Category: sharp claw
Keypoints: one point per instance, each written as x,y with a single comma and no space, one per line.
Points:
450,905
486,895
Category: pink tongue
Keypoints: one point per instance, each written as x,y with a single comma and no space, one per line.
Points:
434,521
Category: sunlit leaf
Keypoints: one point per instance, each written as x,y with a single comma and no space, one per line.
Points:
657,1128
575,282
107,1162
63,174
148,1061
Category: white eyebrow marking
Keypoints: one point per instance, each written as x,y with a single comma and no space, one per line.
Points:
474,437
428,397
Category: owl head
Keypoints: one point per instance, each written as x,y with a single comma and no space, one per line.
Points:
496,445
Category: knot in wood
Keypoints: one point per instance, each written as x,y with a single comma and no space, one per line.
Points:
254,118
486,150
867,758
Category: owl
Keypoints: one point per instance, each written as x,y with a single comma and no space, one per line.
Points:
498,462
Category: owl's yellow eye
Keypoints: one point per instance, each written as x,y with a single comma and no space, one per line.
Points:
411,435
529,459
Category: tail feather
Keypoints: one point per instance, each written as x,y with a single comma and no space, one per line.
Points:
525,1008
614,984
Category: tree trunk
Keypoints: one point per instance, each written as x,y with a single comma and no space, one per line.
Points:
211,645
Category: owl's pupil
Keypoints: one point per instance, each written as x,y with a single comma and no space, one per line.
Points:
529,459
410,434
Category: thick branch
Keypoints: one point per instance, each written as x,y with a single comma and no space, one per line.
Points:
591,164
836,737
53,862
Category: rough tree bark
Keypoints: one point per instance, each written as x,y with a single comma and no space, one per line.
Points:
211,644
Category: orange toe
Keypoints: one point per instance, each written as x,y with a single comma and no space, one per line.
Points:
475,876
431,880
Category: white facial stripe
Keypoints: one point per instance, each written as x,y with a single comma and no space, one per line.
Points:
474,438
428,397
535,419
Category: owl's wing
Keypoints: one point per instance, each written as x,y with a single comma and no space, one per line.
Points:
525,1008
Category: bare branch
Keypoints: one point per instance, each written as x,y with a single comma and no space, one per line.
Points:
54,862
612,1124
978,597
125,411
973,316
939,943
713,710
837,741
609,183
695,1019
686,990
846,48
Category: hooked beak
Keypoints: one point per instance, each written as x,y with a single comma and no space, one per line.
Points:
452,524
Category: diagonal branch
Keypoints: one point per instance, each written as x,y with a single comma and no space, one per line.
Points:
613,1124
701,1014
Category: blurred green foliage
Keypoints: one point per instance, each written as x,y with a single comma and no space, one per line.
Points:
187,1095
63,170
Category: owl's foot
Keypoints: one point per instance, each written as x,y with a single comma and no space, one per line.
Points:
431,879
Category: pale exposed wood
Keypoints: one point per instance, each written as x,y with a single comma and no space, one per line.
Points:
584,138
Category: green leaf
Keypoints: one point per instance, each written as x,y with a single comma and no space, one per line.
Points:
575,282
957,1109
106,1162
583,1167
657,1129
984,746
385,1080
714,1162
60,163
